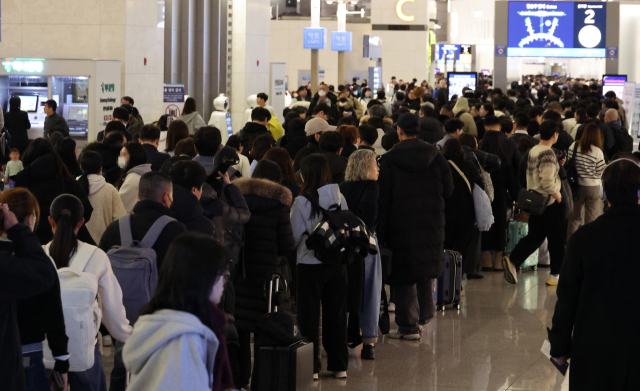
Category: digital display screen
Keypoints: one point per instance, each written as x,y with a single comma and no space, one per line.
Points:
28,103
458,80
78,113
229,130
614,83
557,29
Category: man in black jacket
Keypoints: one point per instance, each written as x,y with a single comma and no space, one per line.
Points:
331,144
188,177
521,124
367,136
156,197
492,124
54,121
259,119
593,111
414,181
323,96
25,273
314,129
109,151
431,129
150,139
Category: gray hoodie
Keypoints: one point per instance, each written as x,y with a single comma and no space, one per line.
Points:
302,223
170,350
194,121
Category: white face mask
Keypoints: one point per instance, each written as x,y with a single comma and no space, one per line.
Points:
122,162
322,93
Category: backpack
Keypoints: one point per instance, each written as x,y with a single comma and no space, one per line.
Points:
623,141
572,172
339,233
135,265
82,316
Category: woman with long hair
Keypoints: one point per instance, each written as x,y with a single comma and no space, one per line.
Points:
178,342
38,316
68,152
260,146
319,282
178,130
268,241
281,157
589,160
133,163
191,117
486,109
65,250
504,180
361,191
46,176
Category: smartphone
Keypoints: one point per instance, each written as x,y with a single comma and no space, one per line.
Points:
561,368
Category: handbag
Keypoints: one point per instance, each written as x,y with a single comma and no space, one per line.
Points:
481,203
486,178
532,202
386,256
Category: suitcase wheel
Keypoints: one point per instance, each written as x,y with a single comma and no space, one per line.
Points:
535,268
456,306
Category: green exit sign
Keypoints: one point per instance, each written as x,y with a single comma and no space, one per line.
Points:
23,65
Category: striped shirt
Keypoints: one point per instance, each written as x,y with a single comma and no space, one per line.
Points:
589,165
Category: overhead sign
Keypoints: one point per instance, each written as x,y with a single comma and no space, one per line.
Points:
173,99
23,65
401,15
557,29
372,46
341,41
375,75
315,38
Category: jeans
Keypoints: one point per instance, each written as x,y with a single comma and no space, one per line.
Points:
93,379
370,312
549,225
326,284
119,372
34,372
414,305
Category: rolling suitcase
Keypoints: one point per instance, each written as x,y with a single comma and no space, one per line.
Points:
516,231
287,367
450,283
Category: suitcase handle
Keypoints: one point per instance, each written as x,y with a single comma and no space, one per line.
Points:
270,278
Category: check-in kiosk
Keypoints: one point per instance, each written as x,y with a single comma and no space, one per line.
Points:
86,91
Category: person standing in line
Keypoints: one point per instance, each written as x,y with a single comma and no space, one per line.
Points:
17,123
191,116
542,176
589,160
414,182
54,121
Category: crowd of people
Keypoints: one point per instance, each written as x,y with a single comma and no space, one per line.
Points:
207,224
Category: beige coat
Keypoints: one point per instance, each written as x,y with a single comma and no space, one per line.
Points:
106,203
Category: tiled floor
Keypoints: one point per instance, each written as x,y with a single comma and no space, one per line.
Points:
493,343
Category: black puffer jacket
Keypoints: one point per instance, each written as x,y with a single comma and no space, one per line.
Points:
414,181
311,148
43,180
249,133
268,240
189,212
337,164
431,130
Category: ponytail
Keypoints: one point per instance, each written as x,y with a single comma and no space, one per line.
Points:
66,211
83,181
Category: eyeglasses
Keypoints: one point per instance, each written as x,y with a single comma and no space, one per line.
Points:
225,276
378,160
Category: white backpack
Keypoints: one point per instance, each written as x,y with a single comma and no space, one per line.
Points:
82,316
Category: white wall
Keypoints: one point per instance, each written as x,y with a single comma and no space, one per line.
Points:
628,63
250,54
124,30
287,47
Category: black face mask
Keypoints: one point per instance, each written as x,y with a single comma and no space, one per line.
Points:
343,100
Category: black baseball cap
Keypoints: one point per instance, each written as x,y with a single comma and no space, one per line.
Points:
408,123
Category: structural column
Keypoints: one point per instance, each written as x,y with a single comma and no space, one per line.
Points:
315,23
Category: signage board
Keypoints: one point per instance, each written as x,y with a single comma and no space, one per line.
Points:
341,41
375,78
459,80
23,65
173,99
372,46
315,38
614,83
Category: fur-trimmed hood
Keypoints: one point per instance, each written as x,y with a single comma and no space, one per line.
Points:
264,188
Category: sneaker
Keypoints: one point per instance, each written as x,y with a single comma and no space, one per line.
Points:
510,271
396,334
474,276
392,307
106,340
553,279
315,376
340,374
368,352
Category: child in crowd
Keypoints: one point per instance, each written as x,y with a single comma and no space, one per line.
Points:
14,166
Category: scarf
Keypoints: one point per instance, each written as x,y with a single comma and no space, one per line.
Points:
222,375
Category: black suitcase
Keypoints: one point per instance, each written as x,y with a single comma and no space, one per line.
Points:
286,368
450,283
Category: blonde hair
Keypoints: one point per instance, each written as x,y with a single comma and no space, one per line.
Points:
359,165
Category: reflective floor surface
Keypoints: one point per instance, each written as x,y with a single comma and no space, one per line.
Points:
493,343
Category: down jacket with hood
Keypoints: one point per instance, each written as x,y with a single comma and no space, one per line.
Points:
461,111
189,212
414,182
109,155
302,222
268,240
129,190
107,205
194,121
170,350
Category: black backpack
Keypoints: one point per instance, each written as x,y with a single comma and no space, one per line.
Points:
339,234
623,141
572,173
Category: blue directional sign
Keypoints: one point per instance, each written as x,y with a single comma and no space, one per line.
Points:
341,41
315,38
